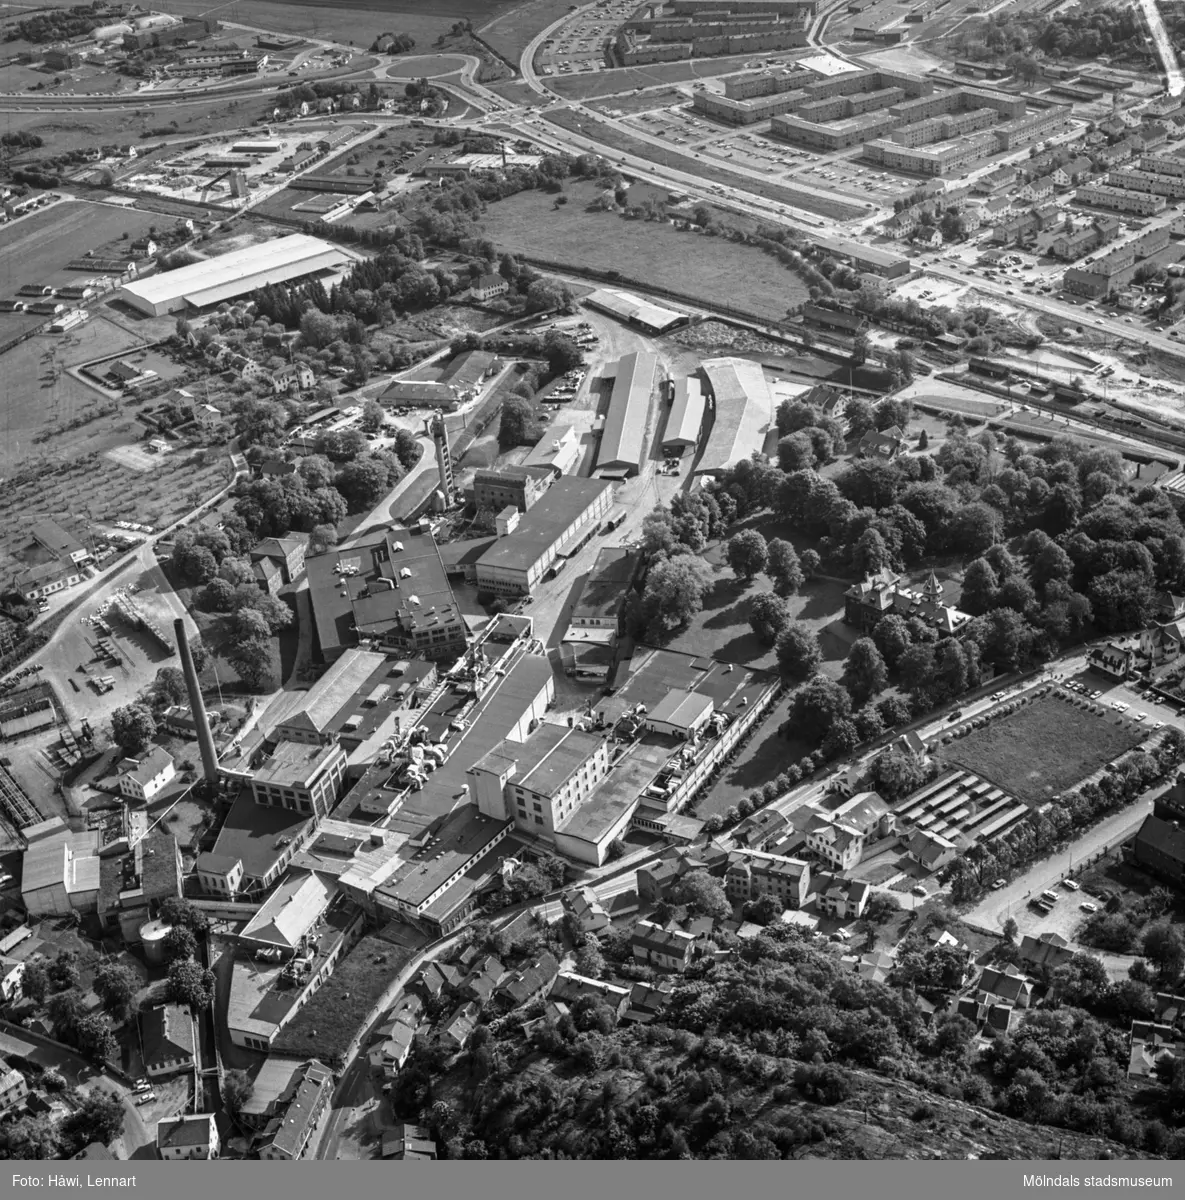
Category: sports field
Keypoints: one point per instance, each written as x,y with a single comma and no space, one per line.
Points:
36,248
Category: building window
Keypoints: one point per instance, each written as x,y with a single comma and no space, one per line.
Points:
538,820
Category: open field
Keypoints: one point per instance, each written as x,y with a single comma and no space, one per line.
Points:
1044,748
626,79
639,101
530,224
36,248
510,31
41,397
616,139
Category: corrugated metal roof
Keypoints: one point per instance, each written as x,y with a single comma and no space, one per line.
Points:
744,410
686,417
636,309
625,426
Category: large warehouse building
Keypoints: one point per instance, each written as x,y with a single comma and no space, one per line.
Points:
204,284
744,411
636,310
625,426
556,525
686,419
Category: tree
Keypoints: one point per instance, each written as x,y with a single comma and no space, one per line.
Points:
407,448
870,554
179,944
1011,929
675,590
896,773
94,1038
816,708
747,554
810,563
546,294
374,416
768,616
132,727
518,424
979,588
782,565
1165,949
34,981
589,959
796,452
116,985
190,984
176,910
65,1011
701,893
32,1138
237,1089
168,686
798,650
892,638
322,539
62,971
98,1118
864,672
252,661
765,910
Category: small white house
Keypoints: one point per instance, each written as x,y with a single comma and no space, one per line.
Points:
143,778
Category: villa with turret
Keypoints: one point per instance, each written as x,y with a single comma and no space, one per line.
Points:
885,592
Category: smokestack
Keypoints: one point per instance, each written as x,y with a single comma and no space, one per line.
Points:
197,706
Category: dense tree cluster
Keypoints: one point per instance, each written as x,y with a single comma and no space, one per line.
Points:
749,1046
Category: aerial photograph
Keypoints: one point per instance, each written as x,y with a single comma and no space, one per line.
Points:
588,581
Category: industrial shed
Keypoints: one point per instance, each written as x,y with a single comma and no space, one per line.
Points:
635,310
685,421
629,406
744,411
229,276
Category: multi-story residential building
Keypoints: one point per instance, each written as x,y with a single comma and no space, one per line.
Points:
839,845
753,873
299,1112
664,949
1101,195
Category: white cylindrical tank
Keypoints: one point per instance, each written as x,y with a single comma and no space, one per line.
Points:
152,938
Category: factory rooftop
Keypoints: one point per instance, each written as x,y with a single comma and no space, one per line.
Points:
619,791
544,523
547,759
490,720
629,410
343,689
258,835
653,673
608,582
744,410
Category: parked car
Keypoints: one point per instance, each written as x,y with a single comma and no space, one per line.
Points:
919,890
1088,907
1072,884
998,884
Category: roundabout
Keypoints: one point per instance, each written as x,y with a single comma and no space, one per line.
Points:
429,66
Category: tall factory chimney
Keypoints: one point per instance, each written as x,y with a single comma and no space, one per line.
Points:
197,706
444,458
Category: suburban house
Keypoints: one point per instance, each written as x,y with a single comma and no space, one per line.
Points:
532,983
408,1143
487,287
582,905
13,1087
192,1136
843,898
167,1040
930,850
142,778
1037,190
1116,662
295,377
840,846
570,987
882,443
1006,984
455,1033
663,949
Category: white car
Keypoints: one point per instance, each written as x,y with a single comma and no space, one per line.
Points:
1086,906
1141,717
1072,884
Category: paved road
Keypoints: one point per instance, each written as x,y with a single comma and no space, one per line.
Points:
137,1141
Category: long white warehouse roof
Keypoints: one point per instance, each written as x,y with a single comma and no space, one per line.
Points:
236,273
744,410
629,405
686,417
625,306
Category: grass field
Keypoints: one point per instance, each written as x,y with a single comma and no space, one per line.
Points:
511,31
529,223
639,101
616,139
37,248
1043,748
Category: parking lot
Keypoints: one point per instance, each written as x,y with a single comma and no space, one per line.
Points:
580,45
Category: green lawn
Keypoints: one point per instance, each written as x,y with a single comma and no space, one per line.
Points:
529,223
1043,748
